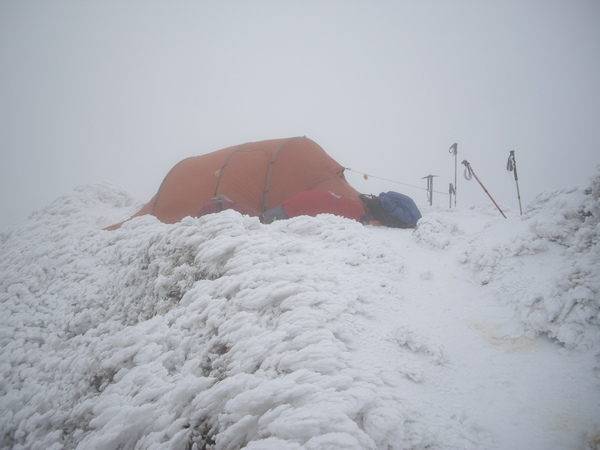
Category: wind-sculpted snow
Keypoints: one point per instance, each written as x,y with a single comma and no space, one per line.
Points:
310,333
559,296
216,331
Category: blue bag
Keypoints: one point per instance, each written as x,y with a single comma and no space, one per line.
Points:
401,207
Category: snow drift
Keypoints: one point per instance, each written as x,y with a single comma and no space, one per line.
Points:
220,332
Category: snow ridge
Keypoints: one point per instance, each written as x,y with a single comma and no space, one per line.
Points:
562,300
213,332
223,333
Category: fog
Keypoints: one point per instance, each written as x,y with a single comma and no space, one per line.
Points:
120,91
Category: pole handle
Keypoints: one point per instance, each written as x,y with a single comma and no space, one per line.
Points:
472,172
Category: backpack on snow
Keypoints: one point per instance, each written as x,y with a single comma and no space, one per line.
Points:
401,207
393,209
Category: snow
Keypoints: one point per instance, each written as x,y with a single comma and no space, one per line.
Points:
472,331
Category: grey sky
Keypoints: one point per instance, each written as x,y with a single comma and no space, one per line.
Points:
120,91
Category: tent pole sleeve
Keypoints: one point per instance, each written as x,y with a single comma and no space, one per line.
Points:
223,168
269,173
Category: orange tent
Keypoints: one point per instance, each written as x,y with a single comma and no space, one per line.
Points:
262,175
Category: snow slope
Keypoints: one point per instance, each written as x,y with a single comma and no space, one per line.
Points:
472,331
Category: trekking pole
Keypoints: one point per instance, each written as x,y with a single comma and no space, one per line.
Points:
469,173
511,166
429,188
454,151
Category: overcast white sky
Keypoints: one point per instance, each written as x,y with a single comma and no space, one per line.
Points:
120,91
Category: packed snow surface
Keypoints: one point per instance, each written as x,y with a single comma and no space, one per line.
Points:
470,332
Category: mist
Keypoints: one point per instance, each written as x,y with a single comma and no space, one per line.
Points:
119,92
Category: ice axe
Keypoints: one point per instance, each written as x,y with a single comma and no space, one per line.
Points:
429,188
469,173
451,192
453,150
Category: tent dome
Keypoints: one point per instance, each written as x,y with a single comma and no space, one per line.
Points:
261,175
